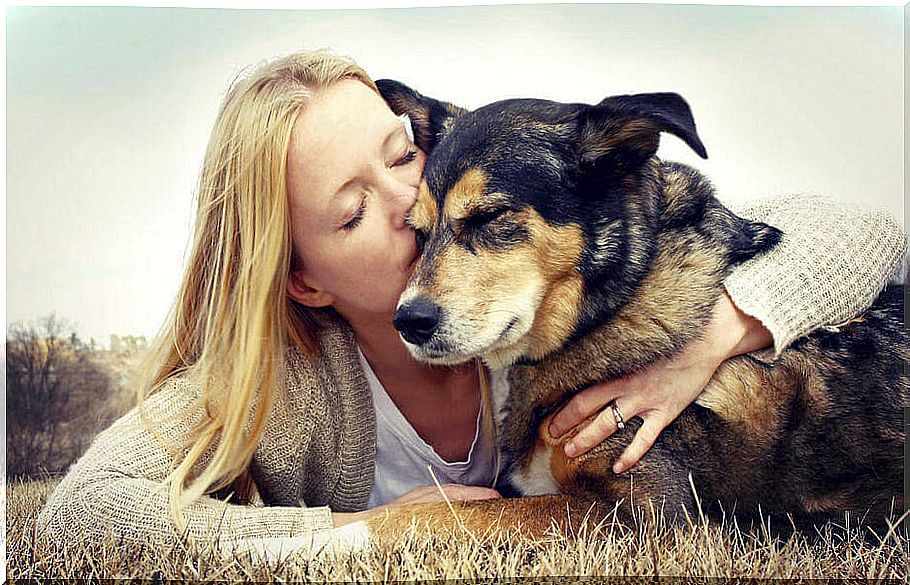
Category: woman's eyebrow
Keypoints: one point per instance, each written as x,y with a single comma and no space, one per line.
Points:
347,184
394,131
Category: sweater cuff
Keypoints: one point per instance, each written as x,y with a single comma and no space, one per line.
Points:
314,520
313,535
282,531
751,303
241,522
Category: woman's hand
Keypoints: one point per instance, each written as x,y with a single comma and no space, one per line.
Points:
661,391
453,491
421,495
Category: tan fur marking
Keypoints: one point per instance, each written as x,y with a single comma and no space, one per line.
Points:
745,394
737,395
556,250
423,214
532,516
479,290
633,133
465,194
672,290
562,468
478,287
483,278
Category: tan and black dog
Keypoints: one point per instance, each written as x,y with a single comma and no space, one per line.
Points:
556,242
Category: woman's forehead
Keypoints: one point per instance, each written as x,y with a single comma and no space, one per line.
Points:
341,129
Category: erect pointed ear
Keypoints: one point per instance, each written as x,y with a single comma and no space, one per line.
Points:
622,132
430,118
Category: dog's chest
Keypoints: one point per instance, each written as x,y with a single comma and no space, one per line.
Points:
534,475
527,463
535,460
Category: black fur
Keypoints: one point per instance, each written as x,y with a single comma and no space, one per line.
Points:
658,246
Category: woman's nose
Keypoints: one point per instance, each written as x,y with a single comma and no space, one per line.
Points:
403,195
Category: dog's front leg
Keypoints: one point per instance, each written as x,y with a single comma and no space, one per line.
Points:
485,520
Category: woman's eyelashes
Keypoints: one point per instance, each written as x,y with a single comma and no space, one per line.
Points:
355,221
408,157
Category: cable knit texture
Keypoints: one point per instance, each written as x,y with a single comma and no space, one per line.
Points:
832,263
318,446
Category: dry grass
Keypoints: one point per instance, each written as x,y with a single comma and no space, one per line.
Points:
702,549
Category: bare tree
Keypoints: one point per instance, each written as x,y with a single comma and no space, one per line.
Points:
54,388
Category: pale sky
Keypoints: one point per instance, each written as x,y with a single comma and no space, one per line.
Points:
109,109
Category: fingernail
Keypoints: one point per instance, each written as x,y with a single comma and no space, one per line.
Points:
570,449
554,431
617,467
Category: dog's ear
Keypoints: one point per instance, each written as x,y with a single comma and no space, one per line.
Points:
430,118
754,238
622,132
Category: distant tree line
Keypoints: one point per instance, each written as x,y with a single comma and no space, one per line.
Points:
59,395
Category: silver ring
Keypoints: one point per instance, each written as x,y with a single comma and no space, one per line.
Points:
617,414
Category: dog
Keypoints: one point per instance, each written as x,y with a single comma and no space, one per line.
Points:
554,241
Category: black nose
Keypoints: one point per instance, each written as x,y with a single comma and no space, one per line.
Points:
417,320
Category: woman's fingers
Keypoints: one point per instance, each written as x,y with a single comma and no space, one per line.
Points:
452,491
643,440
457,491
469,492
584,404
600,428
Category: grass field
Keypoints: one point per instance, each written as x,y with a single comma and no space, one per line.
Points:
650,548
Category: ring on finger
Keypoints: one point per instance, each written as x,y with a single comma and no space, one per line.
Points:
617,414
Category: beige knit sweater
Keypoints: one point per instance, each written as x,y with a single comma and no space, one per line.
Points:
319,443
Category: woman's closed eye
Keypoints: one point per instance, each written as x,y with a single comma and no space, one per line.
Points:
408,157
358,216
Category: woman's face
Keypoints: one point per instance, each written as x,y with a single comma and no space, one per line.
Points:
352,177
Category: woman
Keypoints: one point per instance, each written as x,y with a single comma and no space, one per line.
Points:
279,363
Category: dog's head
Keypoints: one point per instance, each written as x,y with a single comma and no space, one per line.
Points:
526,208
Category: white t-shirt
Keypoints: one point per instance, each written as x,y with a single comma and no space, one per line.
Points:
403,458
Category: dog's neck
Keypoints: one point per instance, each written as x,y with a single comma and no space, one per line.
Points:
669,307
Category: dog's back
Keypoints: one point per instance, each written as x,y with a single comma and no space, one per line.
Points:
818,431
839,446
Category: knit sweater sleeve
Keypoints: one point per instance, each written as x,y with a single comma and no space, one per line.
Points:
831,264
115,489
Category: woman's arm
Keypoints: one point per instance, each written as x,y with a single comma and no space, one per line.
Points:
831,264
115,490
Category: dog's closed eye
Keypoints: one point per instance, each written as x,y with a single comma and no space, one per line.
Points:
483,218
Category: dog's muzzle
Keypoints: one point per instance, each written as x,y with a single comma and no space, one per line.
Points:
417,320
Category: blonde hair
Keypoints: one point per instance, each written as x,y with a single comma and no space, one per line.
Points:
232,318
